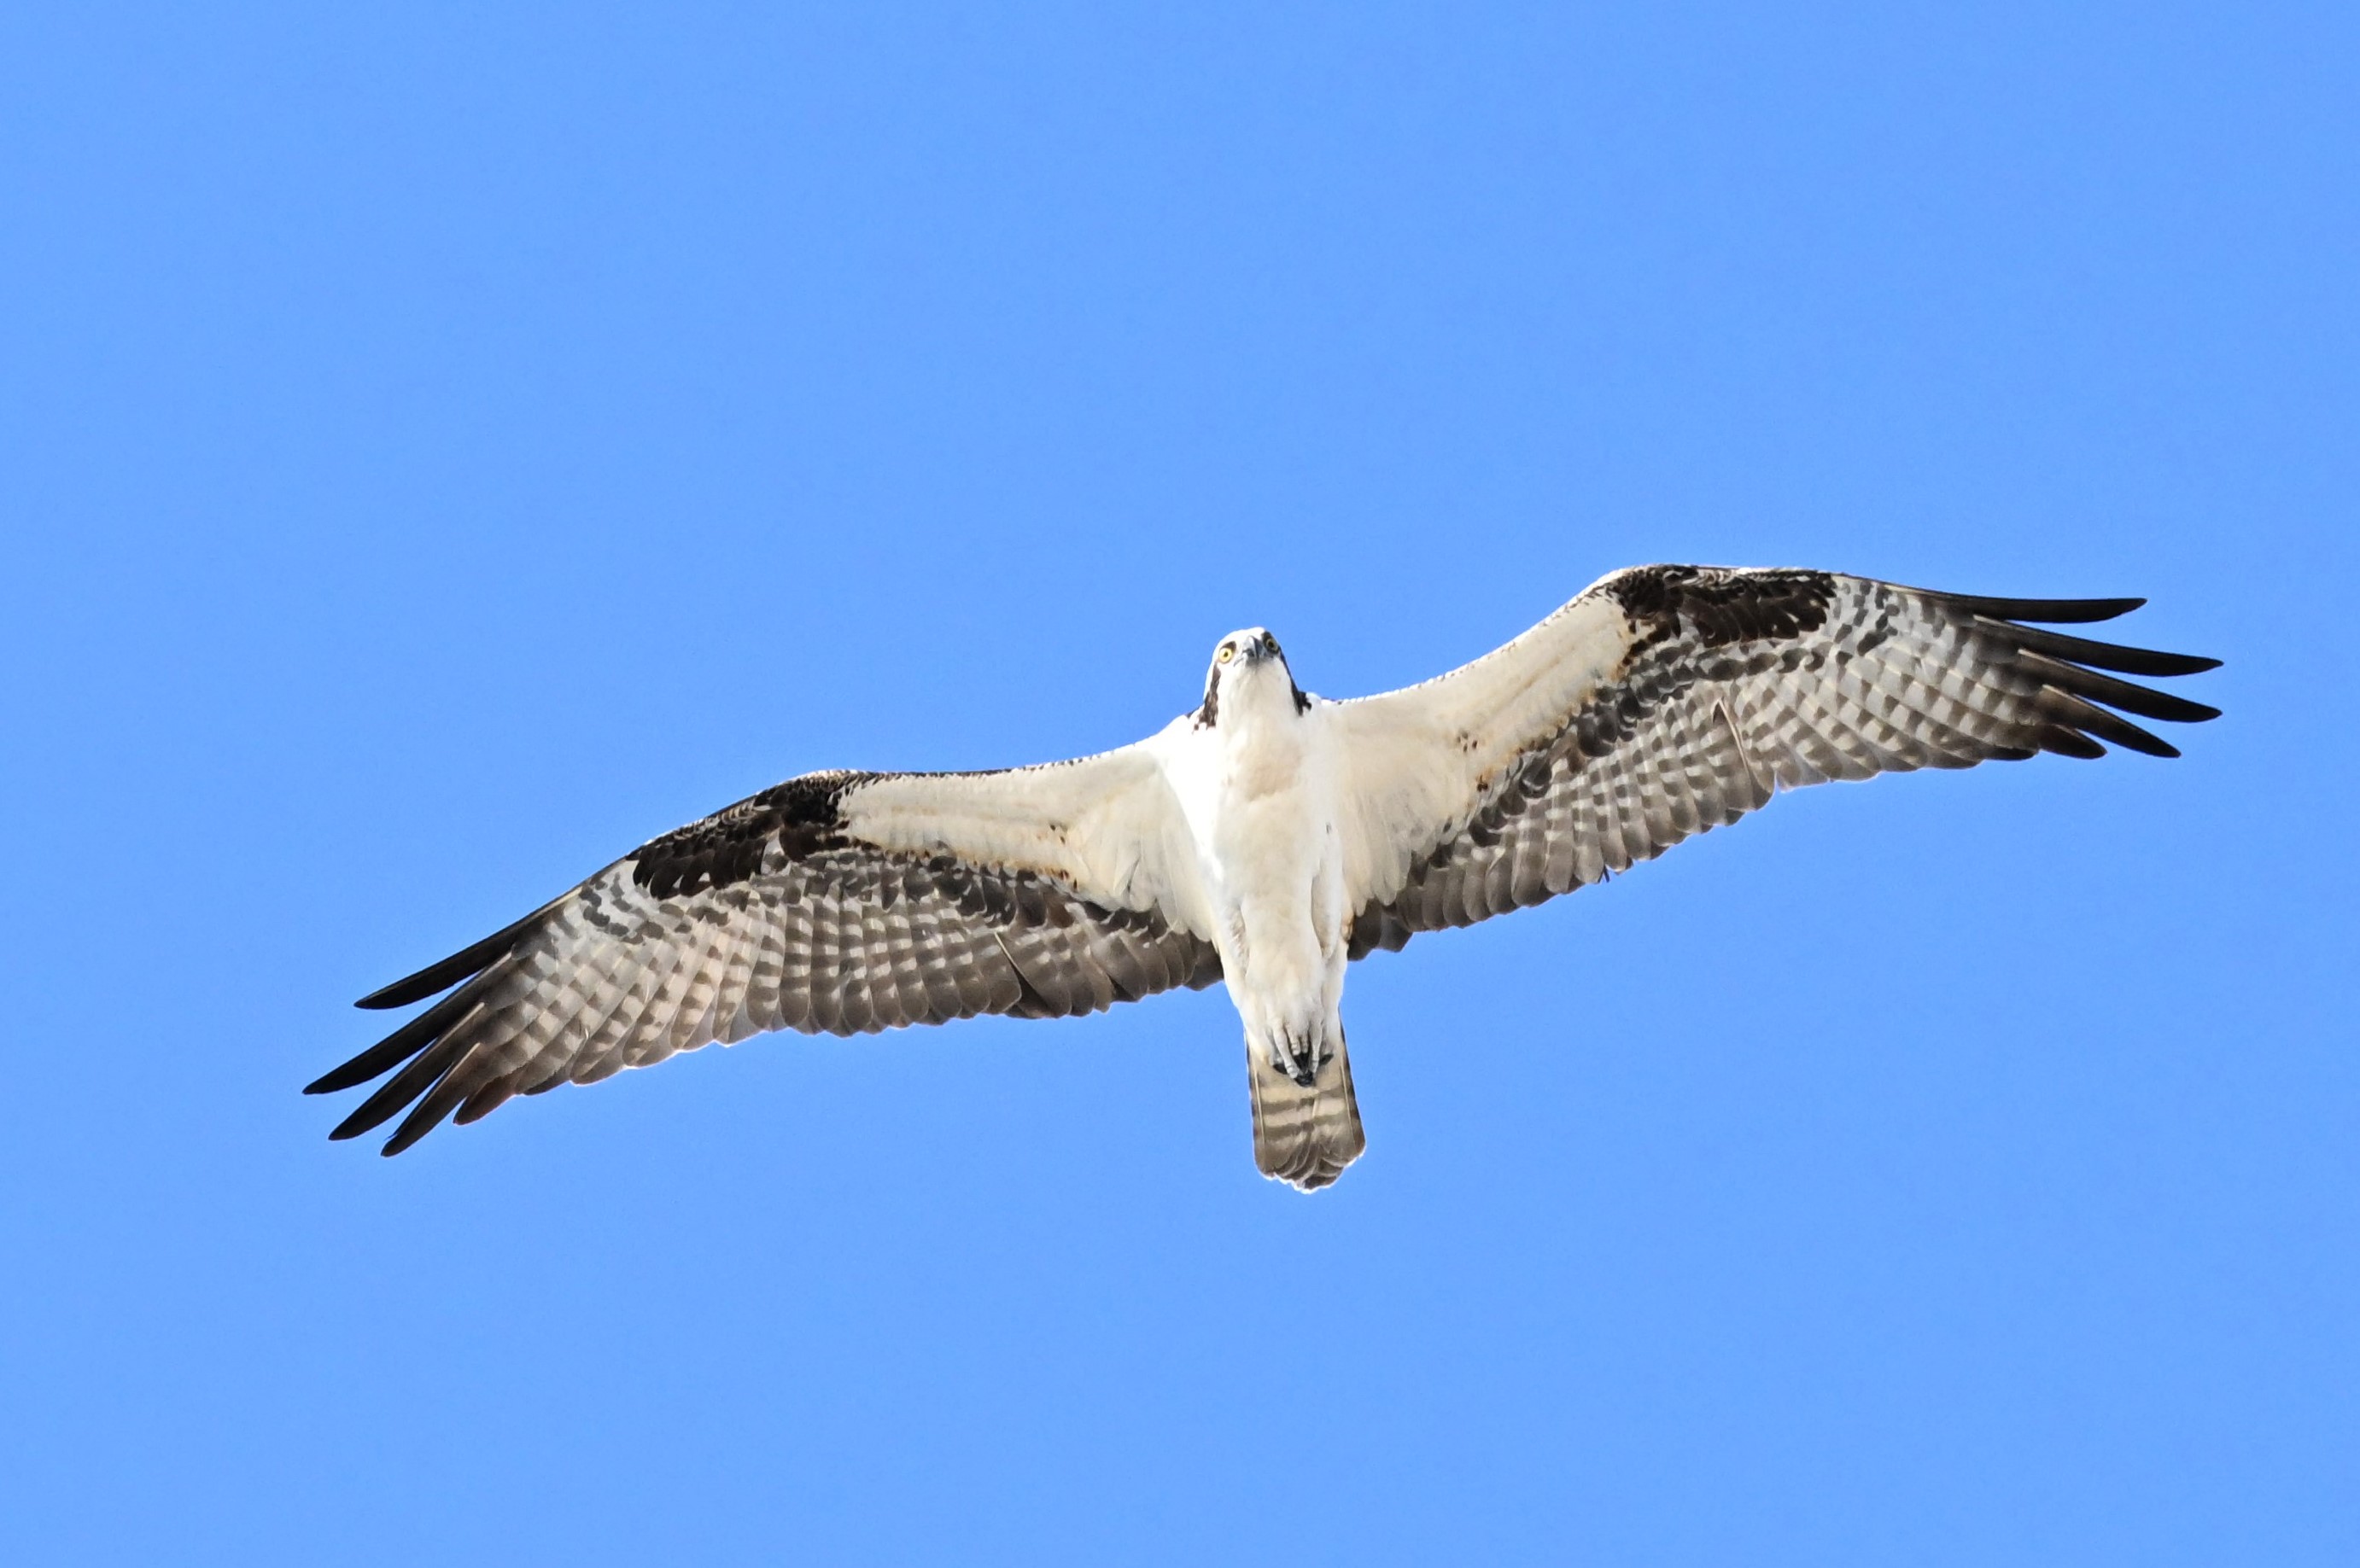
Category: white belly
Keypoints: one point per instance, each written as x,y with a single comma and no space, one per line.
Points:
1261,801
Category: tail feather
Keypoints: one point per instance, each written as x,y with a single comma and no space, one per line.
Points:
1305,1134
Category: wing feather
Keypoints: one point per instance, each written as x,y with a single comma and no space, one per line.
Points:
837,902
1664,701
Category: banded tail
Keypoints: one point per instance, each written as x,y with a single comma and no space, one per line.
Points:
1305,1134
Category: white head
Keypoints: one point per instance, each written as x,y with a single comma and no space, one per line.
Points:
1247,671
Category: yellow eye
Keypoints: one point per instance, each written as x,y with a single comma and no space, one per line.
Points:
1228,653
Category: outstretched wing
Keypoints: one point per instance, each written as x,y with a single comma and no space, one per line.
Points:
1668,700
837,902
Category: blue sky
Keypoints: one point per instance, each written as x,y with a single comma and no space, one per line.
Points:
441,447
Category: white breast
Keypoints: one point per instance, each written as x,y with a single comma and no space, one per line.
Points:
1258,790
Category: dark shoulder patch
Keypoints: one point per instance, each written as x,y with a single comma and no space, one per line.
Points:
1718,606
799,816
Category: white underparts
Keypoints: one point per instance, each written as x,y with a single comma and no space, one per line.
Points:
1261,790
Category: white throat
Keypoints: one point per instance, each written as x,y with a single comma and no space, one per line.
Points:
1257,698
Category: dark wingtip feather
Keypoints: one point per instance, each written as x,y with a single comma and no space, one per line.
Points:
2106,655
2091,686
2056,611
2082,700
415,1126
484,1101
442,976
2103,724
396,1048
434,1043
353,1126
407,1135
397,1092
2072,743
2129,736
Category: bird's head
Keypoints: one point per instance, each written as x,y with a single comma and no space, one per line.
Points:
1246,669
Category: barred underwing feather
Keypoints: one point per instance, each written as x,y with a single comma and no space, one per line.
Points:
1705,691
801,908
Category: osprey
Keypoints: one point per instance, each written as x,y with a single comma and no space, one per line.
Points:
1264,840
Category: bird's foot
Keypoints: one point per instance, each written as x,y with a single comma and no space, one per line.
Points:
1299,1056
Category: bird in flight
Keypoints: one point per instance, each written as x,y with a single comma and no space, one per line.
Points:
1264,840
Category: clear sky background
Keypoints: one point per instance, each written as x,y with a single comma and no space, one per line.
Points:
441,447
